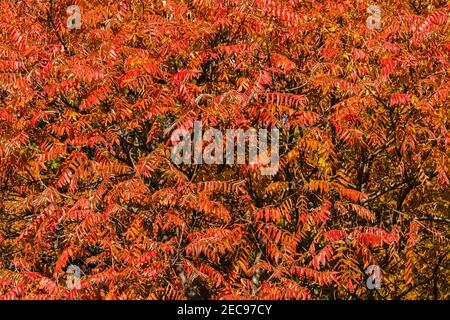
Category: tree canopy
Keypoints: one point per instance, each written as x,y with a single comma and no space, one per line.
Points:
86,177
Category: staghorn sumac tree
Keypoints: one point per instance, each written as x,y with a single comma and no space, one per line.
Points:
86,177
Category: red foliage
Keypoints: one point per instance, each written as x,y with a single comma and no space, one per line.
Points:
85,171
